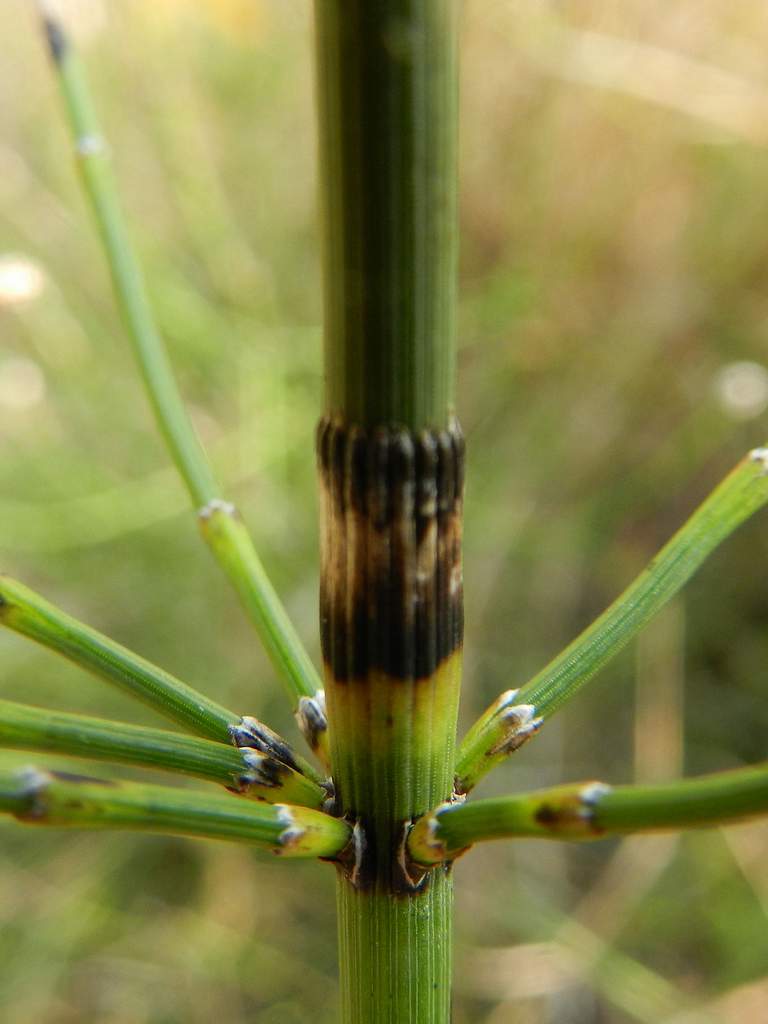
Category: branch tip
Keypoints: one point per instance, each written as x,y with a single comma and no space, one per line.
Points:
53,31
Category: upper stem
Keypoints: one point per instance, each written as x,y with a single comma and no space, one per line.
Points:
387,104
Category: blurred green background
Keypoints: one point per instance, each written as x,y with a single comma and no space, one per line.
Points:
614,365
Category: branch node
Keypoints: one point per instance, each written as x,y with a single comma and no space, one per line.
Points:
519,723
217,505
250,732
262,770
34,782
311,718
350,859
412,873
428,837
292,833
90,144
573,813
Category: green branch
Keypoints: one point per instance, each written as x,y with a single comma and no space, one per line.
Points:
55,798
26,612
516,715
226,535
592,810
246,769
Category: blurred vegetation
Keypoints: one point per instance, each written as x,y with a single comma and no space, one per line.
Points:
614,332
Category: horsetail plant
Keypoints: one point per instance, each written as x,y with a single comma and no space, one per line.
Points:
387,805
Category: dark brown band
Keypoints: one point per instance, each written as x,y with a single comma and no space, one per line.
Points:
391,586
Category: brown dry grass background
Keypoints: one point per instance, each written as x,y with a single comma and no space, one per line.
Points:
614,354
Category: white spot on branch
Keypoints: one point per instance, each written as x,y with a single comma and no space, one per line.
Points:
217,505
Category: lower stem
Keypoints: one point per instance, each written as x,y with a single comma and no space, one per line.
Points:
395,953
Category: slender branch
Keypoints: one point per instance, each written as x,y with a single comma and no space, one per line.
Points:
516,715
228,538
592,810
56,798
247,770
26,612
127,277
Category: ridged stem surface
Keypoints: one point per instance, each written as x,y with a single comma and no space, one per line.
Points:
387,96
391,469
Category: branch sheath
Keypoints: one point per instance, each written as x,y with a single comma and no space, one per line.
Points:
229,541
592,810
516,715
54,798
246,770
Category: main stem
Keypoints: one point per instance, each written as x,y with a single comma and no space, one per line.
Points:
391,472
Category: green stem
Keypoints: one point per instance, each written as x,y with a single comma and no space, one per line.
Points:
231,546
387,74
245,769
391,463
50,798
517,714
592,810
398,949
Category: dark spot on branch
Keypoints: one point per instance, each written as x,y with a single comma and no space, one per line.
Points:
82,779
548,816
